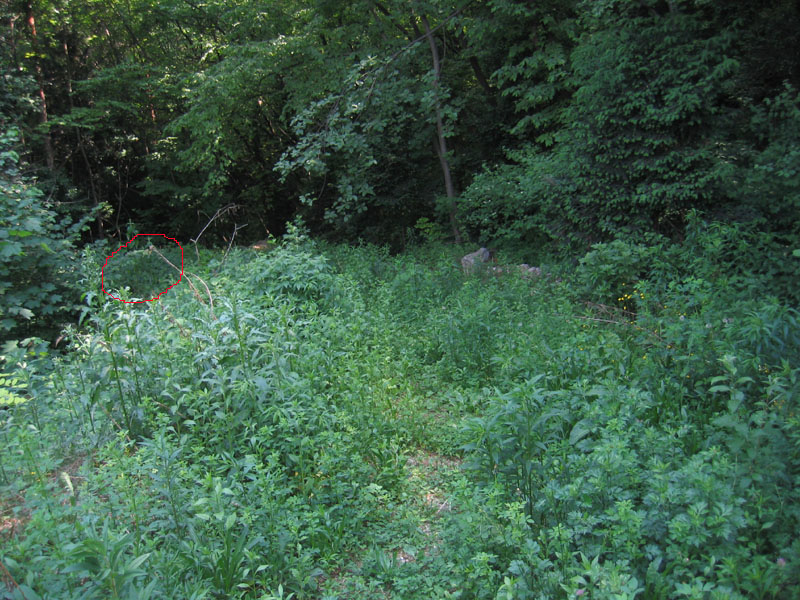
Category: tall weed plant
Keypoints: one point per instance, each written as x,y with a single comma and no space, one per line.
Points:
220,454
254,440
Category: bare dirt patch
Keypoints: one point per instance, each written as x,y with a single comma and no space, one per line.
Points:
12,521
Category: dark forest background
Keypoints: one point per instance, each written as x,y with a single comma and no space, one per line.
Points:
547,126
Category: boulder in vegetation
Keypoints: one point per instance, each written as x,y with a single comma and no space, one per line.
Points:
529,271
471,260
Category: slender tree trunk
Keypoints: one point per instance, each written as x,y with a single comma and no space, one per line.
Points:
48,142
441,141
17,65
79,138
480,76
145,136
482,81
149,92
12,28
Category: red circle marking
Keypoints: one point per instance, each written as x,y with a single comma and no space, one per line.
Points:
102,271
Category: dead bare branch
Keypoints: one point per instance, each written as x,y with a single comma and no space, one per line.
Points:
217,215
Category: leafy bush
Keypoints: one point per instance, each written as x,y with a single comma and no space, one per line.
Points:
770,180
36,252
614,504
148,264
297,273
609,272
742,257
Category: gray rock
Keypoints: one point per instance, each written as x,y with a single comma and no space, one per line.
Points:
470,262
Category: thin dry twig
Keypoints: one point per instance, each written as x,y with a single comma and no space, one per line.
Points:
625,321
585,318
609,310
197,294
217,215
174,321
9,580
169,409
191,285
442,506
152,248
236,228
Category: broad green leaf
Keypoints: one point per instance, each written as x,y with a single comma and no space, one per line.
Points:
579,431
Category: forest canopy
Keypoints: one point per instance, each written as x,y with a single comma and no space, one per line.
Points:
555,121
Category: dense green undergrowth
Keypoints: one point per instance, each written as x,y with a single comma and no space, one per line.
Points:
626,429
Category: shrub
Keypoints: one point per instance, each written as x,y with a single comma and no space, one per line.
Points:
608,273
295,272
37,261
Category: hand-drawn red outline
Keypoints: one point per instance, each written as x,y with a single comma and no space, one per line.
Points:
102,271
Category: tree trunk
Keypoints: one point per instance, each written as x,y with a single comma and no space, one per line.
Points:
441,142
48,143
482,81
79,138
13,38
